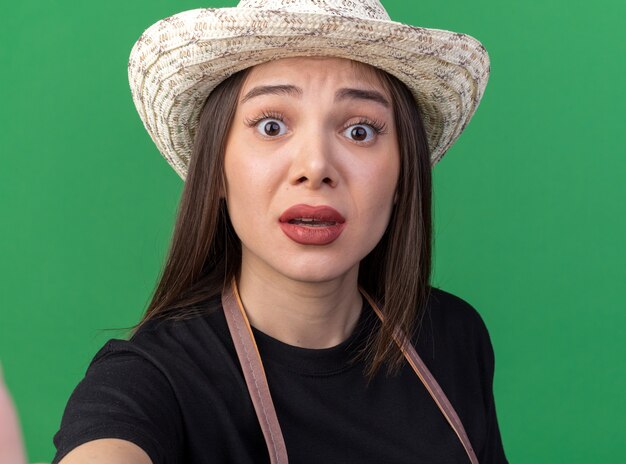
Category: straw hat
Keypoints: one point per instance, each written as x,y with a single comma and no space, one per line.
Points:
179,60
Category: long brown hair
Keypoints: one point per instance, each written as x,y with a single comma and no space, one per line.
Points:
205,252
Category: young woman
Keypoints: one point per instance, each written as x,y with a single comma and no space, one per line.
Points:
294,319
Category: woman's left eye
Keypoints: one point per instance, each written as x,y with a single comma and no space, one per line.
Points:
360,132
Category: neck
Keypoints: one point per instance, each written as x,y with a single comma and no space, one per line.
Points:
304,314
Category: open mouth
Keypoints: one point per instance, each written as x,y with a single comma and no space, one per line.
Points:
314,216
312,225
311,222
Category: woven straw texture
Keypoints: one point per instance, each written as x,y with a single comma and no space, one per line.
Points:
178,61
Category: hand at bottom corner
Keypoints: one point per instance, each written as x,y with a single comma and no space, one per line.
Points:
11,444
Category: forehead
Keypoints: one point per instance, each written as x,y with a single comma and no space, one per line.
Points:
326,70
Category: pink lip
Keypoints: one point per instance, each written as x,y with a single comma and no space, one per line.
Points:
310,234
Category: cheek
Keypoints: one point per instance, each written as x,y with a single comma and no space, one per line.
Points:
249,181
382,191
374,196
250,187
380,196
383,177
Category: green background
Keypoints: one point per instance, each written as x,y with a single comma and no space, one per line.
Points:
529,208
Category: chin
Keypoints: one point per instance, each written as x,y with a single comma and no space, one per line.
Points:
310,278
314,272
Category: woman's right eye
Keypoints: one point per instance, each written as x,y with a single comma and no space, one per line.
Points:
270,127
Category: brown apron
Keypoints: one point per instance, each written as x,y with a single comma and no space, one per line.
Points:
253,371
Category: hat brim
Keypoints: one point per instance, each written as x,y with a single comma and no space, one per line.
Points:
178,61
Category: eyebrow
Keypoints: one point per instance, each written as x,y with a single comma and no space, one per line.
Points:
341,94
360,94
291,90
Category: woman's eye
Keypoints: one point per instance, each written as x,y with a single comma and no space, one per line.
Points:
271,127
360,133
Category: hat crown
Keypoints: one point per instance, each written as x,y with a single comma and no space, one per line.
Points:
364,9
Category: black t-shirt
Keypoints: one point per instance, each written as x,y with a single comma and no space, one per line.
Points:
176,389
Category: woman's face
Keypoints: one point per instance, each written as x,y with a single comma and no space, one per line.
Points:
311,167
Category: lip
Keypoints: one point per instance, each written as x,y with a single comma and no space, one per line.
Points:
312,235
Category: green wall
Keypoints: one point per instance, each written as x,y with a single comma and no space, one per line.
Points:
529,208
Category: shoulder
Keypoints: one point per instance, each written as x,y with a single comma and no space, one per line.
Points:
172,353
455,345
171,339
452,313
139,389
452,327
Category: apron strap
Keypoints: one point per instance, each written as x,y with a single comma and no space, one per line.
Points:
429,382
254,374
253,371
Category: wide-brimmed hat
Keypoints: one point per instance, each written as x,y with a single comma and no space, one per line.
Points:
179,60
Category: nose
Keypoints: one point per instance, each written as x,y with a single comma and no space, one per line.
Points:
312,163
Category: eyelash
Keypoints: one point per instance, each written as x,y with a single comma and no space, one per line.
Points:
265,115
378,126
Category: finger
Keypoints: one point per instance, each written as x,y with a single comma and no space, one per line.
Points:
11,446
